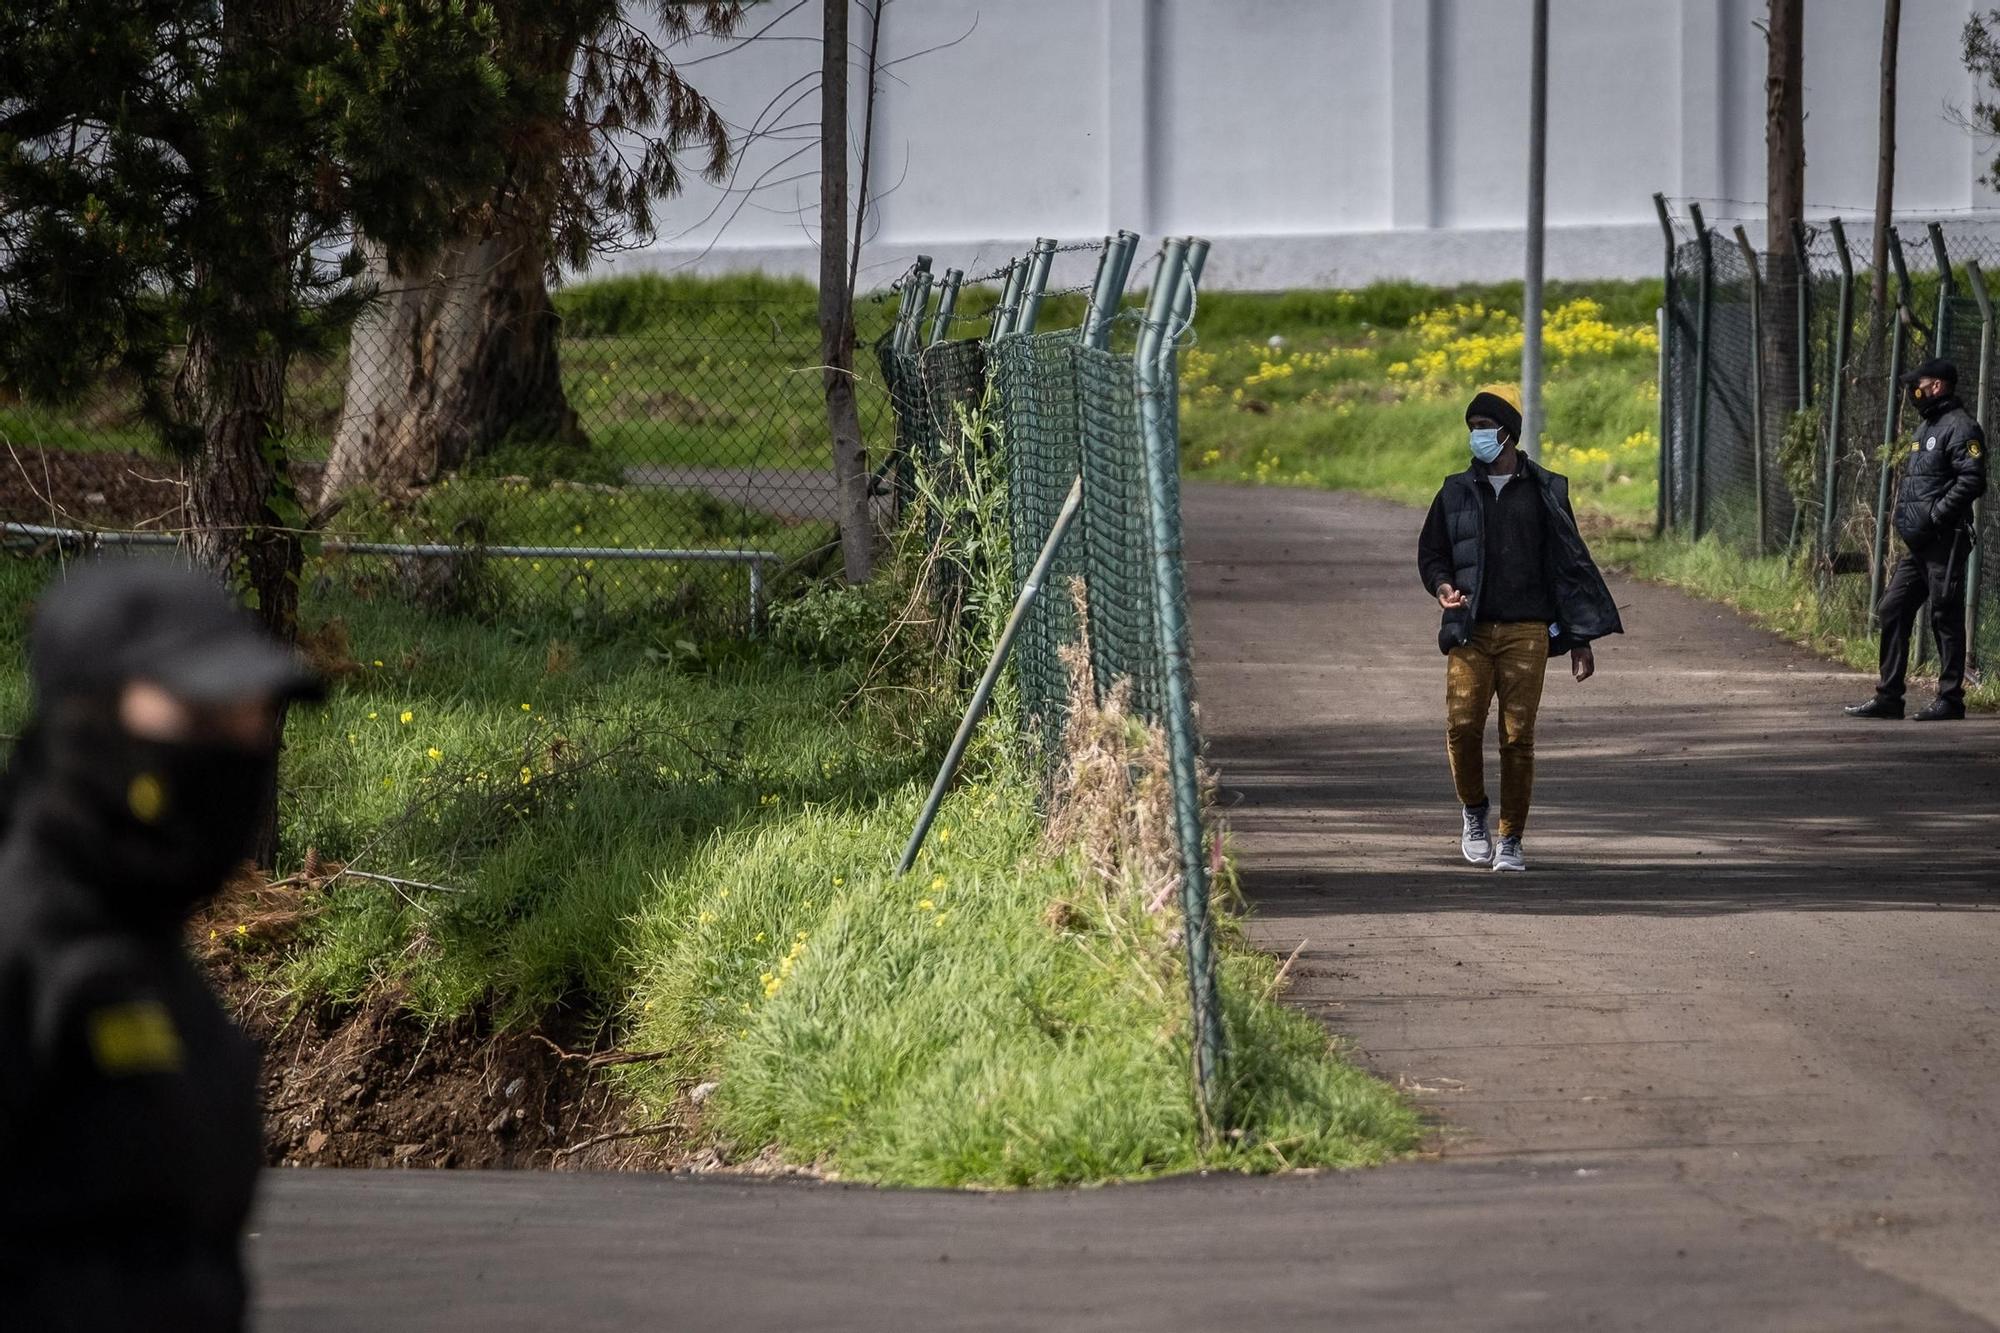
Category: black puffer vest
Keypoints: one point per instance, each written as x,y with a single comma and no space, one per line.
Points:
1453,549
1943,473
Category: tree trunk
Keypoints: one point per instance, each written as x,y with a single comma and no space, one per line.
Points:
458,355
242,517
836,303
1785,193
1885,178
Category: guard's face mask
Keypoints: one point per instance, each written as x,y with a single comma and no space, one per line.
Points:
1486,445
156,825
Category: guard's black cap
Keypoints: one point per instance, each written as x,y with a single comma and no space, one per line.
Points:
118,620
1937,368
1496,409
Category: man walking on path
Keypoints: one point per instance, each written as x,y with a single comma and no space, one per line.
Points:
1944,472
1501,553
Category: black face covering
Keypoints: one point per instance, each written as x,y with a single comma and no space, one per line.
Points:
154,827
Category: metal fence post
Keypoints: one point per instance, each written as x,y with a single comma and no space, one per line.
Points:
1947,288
909,315
1663,503
1802,249
1010,292
1038,283
1756,384
1698,455
1836,377
1169,593
954,278
1097,314
1891,427
1802,354
1105,302
1985,300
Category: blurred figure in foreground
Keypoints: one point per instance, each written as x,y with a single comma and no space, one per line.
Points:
129,1132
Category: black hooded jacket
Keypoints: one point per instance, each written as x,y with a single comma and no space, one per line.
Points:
129,1124
1452,549
1943,473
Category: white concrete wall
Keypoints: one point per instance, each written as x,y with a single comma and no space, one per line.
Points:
1316,142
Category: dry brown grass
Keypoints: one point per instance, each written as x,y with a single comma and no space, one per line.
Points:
1112,797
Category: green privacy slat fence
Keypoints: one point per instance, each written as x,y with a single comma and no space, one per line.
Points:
1037,404
1062,409
1712,464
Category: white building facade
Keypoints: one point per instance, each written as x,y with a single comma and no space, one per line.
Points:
1318,143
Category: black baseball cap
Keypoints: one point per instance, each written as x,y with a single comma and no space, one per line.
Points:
112,621
1937,368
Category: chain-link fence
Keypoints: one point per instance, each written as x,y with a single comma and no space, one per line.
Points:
641,452
1782,422
1087,433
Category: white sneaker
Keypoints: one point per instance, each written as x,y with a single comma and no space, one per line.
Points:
1507,855
1475,841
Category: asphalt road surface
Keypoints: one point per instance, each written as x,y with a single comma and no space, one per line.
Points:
1757,952
1725,1057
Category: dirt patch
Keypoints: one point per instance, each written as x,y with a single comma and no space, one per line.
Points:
100,490
110,489
371,1085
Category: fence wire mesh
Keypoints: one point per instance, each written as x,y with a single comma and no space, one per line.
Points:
1773,406
1067,415
661,461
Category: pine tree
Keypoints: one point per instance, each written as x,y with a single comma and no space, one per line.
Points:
179,183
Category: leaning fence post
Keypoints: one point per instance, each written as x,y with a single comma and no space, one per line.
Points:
1698,457
1037,284
1170,594
1836,377
1663,503
954,278
1985,300
1756,383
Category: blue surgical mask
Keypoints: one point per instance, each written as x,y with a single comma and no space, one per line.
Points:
1486,445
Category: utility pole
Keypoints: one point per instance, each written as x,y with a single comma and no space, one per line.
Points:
1531,304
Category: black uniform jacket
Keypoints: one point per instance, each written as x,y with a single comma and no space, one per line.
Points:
129,1141
1452,549
1943,473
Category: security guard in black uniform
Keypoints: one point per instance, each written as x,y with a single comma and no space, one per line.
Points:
129,1134
1943,473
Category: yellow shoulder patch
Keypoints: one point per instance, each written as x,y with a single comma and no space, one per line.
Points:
134,1038
1973,449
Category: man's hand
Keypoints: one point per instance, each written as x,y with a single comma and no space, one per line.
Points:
1449,597
1582,664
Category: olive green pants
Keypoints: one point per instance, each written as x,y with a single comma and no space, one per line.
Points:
1509,661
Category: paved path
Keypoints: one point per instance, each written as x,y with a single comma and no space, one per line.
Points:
1757,955
1724,1059
1415,1247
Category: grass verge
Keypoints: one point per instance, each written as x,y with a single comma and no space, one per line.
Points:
675,858
1776,593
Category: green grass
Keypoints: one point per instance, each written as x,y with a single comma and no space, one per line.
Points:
1777,594
690,844
1367,390
522,511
